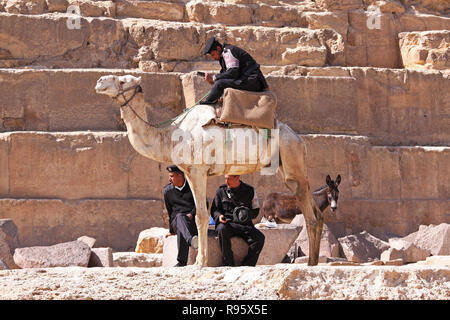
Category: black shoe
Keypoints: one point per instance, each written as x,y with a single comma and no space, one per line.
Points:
180,265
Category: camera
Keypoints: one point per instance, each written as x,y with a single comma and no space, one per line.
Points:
241,215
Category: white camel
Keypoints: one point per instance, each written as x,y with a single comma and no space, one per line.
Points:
197,152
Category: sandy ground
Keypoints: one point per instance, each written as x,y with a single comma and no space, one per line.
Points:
281,281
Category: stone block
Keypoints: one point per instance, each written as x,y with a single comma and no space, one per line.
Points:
74,253
277,243
157,10
101,257
435,238
141,260
73,166
362,247
88,240
43,222
426,49
407,251
151,240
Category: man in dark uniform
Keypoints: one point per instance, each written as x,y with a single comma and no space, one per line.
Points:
180,206
238,70
233,203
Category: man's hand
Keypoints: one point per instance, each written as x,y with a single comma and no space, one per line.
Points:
190,216
209,78
222,219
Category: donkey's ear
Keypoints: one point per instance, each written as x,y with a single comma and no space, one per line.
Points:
338,180
328,180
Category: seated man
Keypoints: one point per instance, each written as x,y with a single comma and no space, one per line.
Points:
235,205
238,70
180,206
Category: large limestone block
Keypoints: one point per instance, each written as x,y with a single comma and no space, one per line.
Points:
101,257
427,49
362,247
79,165
25,7
266,45
277,243
43,222
340,4
216,12
435,238
150,10
98,42
371,40
386,219
404,250
133,259
62,100
151,240
74,253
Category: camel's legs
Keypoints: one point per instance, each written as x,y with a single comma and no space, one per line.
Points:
197,180
293,173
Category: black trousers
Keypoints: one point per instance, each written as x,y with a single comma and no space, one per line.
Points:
252,84
185,230
250,234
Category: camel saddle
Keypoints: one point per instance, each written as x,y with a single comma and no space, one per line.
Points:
256,109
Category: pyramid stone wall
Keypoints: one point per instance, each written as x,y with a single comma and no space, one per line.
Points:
364,82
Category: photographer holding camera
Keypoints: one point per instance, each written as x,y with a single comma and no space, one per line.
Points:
235,205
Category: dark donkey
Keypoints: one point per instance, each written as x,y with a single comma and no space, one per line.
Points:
283,207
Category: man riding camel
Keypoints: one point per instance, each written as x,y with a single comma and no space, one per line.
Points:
238,71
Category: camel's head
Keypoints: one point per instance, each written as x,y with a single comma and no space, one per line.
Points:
113,85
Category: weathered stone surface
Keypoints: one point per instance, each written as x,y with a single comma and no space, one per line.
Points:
277,243
427,49
340,4
25,7
88,240
362,247
73,166
9,234
133,259
65,100
435,238
101,257
404,250
151,240
74,253
43,222
386,103
150,10
99,42
241,283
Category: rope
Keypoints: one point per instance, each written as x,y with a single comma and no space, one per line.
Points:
159,125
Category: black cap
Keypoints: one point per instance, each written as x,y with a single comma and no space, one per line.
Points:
211,44
173,168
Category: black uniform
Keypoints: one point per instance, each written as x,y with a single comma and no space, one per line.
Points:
239,71
225,200
178,204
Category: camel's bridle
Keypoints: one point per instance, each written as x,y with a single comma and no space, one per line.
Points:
137,89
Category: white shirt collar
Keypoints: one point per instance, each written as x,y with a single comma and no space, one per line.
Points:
181,188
